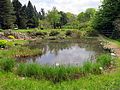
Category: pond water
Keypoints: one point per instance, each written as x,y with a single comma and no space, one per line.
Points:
65,52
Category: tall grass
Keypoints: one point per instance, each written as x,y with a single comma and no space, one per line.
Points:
52,73
104,60
19,51
56,73
7,64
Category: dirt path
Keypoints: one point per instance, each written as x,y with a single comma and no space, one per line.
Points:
114,47
111,45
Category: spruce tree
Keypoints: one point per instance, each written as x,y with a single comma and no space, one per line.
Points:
17,8
31,16
42,13
7,17
23,18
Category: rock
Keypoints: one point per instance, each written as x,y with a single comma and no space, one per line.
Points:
113,54
57,64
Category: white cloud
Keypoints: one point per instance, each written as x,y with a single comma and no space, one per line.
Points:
74,6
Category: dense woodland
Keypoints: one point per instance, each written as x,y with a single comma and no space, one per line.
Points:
105,20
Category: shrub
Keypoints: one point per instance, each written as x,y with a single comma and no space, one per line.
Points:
11,37
41,33
7,64
68,33
54,33
76,34
3,43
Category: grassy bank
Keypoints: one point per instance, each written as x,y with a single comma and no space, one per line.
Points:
102,75
16,48
106,81
57,74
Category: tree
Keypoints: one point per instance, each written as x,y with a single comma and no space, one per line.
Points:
54,17
72,21
105,17
23,18
63,18
87,15
20,14
7,17
42,14
31,16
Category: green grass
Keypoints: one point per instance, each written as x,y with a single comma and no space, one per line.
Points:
18,51
56,73
106,81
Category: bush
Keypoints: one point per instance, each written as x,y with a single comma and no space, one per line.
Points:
68,33
11,37
7,64
77,34
3,43
54,33
37,33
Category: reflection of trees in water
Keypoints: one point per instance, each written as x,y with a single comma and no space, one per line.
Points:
55,47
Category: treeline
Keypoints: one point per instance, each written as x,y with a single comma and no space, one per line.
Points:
14,15
107,19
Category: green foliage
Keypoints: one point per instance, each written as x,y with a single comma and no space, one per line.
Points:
91,68
53,17
3,43
54,33
30,70
11,37
7,17
105,17
7,64
68,33
87,15
52,73
104,60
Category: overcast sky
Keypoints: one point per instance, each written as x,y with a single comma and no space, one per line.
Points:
73,6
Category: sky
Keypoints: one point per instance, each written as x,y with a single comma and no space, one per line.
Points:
73,6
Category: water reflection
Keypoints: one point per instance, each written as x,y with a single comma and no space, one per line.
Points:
73,52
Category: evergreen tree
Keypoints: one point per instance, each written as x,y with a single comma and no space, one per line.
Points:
17,8
31,16
42,14
7,17
23,18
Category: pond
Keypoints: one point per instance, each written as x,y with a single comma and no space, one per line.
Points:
65,52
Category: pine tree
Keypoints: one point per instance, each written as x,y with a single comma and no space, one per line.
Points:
23,18
31,16
42,13
17,8
7,17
